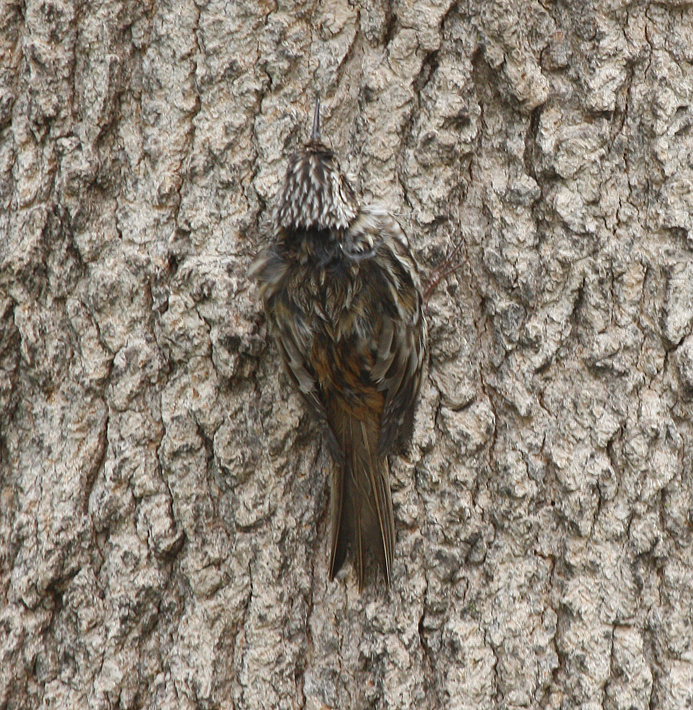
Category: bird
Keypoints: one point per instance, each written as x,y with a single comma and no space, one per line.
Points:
343,301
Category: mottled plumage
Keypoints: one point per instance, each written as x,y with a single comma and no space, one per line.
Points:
343,300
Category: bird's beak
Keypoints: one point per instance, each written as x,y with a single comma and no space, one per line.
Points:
315,135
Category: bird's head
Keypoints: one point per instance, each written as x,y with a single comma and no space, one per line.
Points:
316,193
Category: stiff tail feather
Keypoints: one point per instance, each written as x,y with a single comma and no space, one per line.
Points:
360,501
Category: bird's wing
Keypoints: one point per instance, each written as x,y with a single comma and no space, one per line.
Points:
295,341
400,355
398,370
287,323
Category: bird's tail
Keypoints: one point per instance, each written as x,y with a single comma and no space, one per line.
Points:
360,501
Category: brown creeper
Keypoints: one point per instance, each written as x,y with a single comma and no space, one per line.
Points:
343,300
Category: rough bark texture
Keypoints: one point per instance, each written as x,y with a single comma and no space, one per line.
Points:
163,500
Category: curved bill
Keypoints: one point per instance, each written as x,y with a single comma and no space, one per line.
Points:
315,134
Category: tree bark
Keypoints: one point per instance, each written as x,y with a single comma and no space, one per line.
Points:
163,528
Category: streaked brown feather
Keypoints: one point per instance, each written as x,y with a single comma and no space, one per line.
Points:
343,301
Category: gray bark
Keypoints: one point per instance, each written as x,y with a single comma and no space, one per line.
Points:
163,538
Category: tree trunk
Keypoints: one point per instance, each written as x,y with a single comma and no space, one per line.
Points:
163,492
